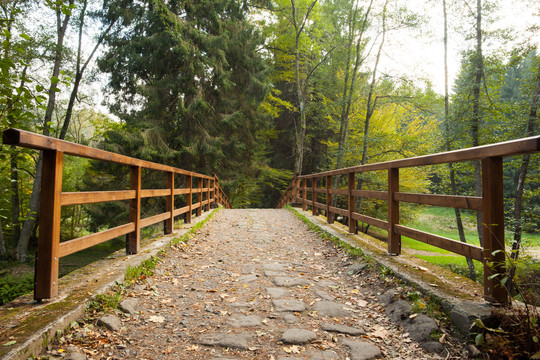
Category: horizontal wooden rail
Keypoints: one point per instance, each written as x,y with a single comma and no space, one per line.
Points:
50,249
92,197
490,203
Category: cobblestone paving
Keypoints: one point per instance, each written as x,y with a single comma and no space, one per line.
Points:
257,284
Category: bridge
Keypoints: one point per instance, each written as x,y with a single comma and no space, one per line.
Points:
254,284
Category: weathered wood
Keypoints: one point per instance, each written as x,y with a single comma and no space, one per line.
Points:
46,277
304,195
200,191
458,247
353,225
146,193
329,214
493,230
394,239
340,191
72,246
339,211
169,222
314,209
381,224
320,190
40,142
155,219
189,198
319,205
460,202
182,191
134,238
92,197
371,194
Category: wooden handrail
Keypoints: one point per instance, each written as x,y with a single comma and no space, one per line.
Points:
50,249
491,204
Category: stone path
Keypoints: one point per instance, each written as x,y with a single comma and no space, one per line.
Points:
254,284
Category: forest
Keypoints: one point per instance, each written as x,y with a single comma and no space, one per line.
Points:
256,91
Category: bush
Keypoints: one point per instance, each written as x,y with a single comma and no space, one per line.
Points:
12,287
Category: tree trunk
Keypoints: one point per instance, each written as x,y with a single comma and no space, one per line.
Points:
300,86
476,116
371,106
516,245
457,212
31,216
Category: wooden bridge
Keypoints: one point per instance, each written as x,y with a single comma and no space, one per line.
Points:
202,191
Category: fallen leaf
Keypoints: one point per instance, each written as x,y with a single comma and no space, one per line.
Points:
9,343
192,348
294,349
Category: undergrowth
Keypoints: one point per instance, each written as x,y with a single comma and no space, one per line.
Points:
11,287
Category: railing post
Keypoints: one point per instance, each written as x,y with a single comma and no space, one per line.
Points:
169,223
134,238
199,209
352,223
215,187
493,230
329,215
297,188
314,208
394,239
304,194
46,280
208,194
189,197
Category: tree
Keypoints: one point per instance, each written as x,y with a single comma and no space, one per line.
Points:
197,74
63,11
453,186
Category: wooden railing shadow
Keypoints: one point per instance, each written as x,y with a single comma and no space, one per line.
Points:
50,249
491,204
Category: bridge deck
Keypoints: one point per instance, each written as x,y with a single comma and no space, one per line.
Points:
242,288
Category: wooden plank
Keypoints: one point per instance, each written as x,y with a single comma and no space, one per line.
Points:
155,219
458,247
319,205
189,198
92,197
371,194
134,238
381,224
169,222
320,190
460,202
353,225
40,142
181,210
304,195
183,191
394,239
146,193
46,276
314,186
329,214
200,192
72,246
493,230
340,191
339,211
309,202
509,148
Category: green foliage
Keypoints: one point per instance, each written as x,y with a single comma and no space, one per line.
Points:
142,271
12,287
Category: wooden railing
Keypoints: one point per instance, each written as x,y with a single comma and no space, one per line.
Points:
491,204
50,249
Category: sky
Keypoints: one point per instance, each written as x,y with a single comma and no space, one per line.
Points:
420,53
